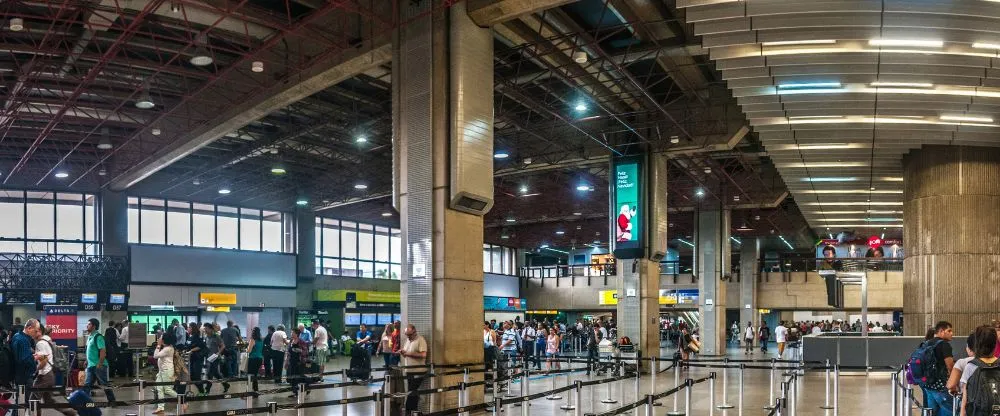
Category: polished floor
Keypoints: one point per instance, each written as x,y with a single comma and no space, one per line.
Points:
859,395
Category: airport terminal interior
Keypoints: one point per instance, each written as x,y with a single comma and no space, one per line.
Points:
667,207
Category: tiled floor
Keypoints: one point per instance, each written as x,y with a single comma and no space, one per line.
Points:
860,395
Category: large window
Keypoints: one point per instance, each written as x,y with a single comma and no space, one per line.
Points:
498,259
345,248
39,222
178,223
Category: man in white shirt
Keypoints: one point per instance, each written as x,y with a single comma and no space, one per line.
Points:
279,343
817,330
413,353
44,377
320,342
780,334
528,336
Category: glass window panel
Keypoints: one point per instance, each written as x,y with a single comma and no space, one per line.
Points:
395,246
152,221
348,268
348,240
41,247
331,267
395,271
69,248
366,241
41,216
319,266
179,223
12,246
486,258
508,263
250,229
331,239
271,227
12,215
382,271
381,244
69,216
133,220
92,249
90,217
227,221
203,224
495,267
367,269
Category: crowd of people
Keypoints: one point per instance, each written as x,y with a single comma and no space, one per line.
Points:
507,341
941,377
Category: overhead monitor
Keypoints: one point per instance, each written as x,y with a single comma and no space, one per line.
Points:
352,319
369,319
117,299
88,298
47,298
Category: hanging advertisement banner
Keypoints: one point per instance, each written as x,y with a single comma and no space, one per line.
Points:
62,321
627,216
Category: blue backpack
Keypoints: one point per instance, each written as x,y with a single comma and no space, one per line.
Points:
923,366
83,404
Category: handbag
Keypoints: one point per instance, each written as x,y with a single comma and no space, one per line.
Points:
694,346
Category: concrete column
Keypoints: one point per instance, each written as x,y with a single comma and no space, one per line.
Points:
305,250
951,222
114,223
638,304
442,121
711,265
749,263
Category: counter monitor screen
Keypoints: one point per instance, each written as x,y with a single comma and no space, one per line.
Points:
384,318
88,298
117,299
369,319
352,319
47,298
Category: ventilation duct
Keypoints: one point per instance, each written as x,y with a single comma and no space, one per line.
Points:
471,103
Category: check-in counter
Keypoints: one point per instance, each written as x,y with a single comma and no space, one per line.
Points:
851,349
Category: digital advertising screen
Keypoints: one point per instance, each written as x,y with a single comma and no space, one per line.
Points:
88,298
627,215
352,319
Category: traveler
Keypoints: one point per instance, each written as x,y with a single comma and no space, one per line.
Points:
216,362
279,343
981,376
413,353
24,359
552,342
111,338
97,369
230,354
298,355
780,336
267,351
528,335
688,344
955,377
321,344
385,345
508,343
490,343
164,355
125,366
255,356
304,334
180,332
45,372
540,334
397,345
197,349
364,338
763,334
930,365
593,342
748,338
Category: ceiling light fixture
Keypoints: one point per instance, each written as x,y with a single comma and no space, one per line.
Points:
580,57
102,172
830,179
560,232
511,220
156,131
907,42
361,139
145,102
800,42
802,85
736,198
986,45
902,84
699,192
196,182
386,214
257,66
105,142
302,202
584,187
224,191
959,117
175,8
501,155
578,213
580,107
61,175
523,189
16,24
201,55
278,170
504,237
360,186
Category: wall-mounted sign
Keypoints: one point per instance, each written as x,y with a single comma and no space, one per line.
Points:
548,312
874,242
496,303
370,296
90,307
607,297
208,298
114,307
217,309
627,214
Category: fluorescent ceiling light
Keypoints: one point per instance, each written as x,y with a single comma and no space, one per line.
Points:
958,117
560,232
902,84
861,219
278,170
61,175
891,178
850,191
302,202
360,186
501,155
986,45
824,165
797,85
524,189
224,191
580,107
826,146
878,120
907,42
685,242
386,214
578,213
870,225
361,139
812,117
583,187
830,179
851,203
800,42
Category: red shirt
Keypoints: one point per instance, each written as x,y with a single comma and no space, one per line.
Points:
396,346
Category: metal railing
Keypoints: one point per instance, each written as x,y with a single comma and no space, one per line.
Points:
807,264
587,271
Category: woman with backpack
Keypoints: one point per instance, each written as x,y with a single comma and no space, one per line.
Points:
164,355
981,376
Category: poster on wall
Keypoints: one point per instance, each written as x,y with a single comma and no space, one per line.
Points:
627,212
499,303
62,321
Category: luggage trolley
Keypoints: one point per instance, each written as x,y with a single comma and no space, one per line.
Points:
627,356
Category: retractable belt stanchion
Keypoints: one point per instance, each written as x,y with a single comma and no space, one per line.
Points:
387,389
677,382
379,406
430,375
18,394
142,395
783,400
343,405
826,403
711,393
33,407
739,402
301,398
955,405
655,365
907,401
895,393
836,390
649,405
525,391
770,387
578,409
569,404
272,408
637,374
725,386
687,396
552,386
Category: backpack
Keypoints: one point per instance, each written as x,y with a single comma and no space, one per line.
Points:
83,403
180,368
923,366
59,360
983,389
6,365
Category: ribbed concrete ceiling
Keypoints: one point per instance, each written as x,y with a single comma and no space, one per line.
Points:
839,91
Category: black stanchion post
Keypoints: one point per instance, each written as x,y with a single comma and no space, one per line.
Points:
379,406
272,408
895,393
836,390
33,407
